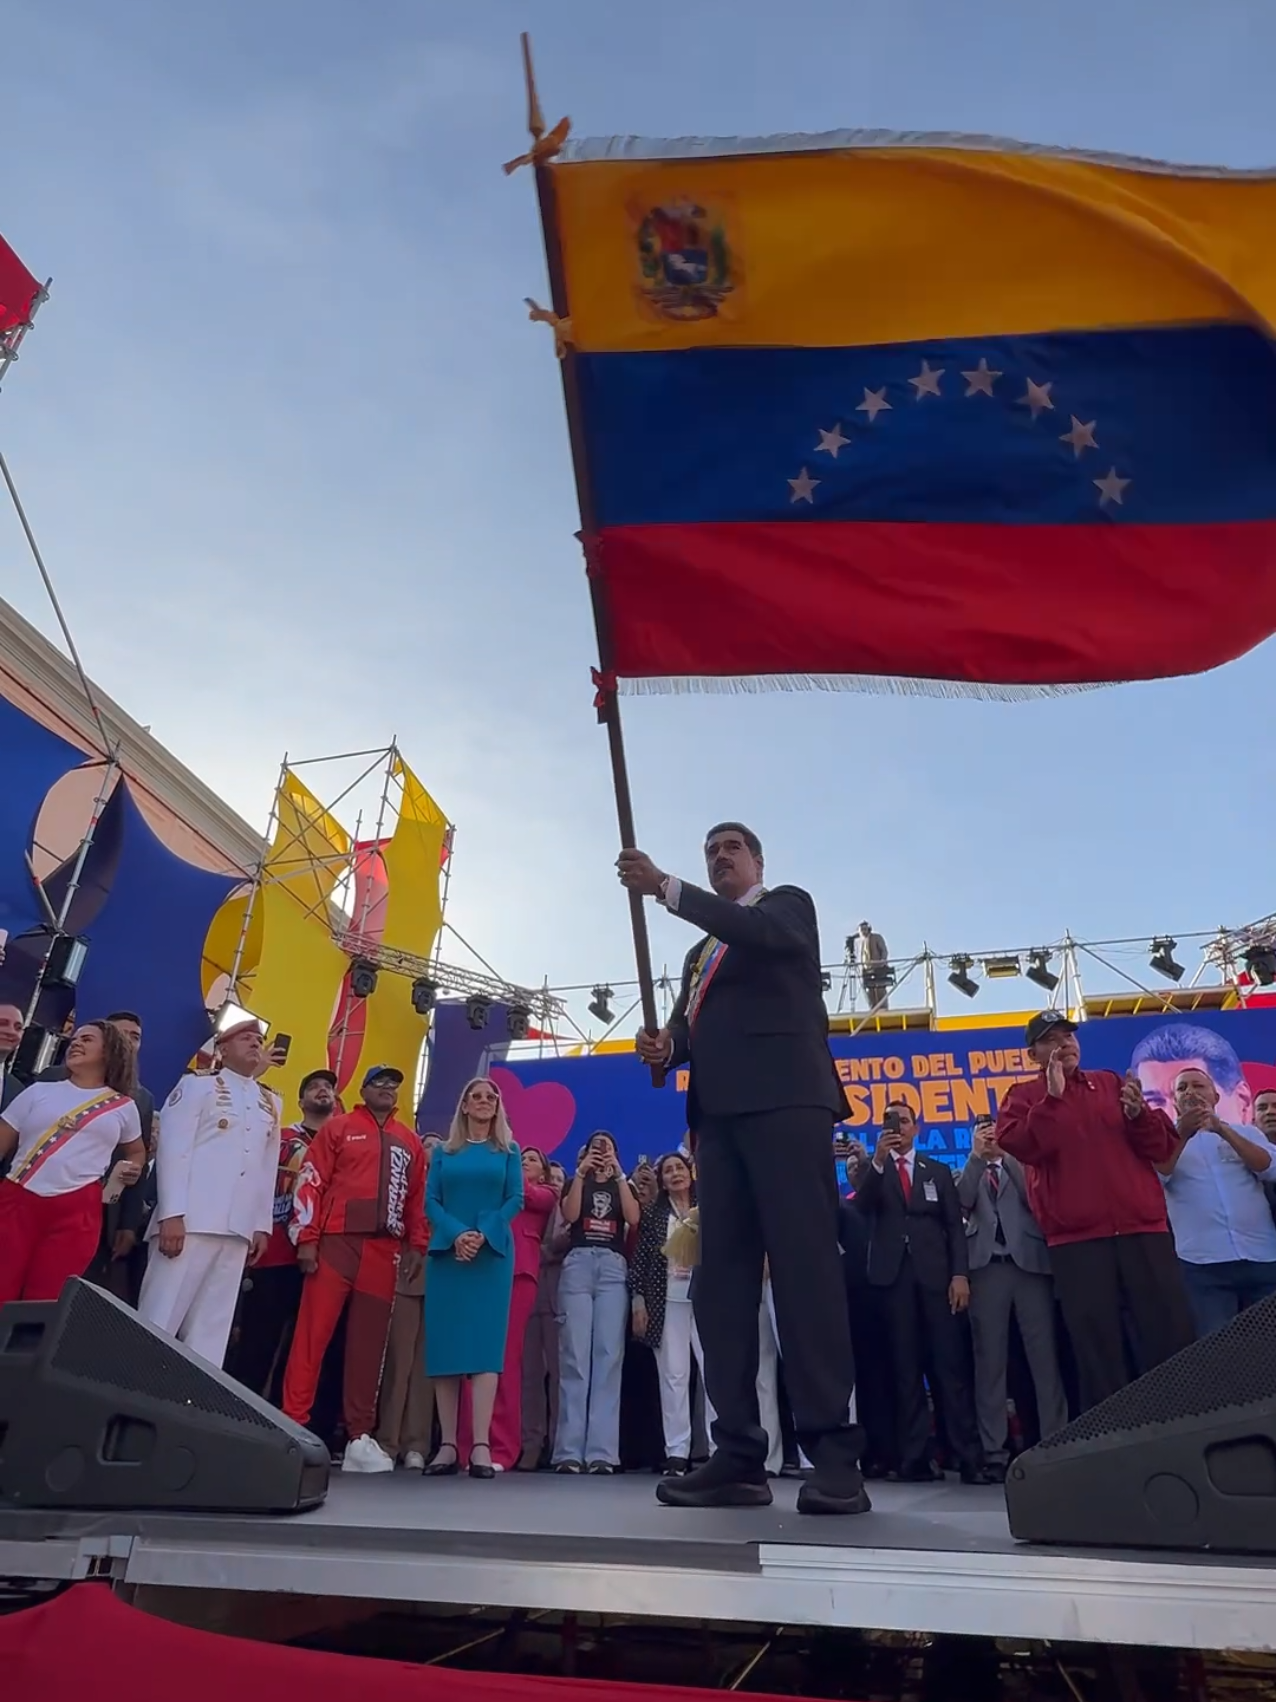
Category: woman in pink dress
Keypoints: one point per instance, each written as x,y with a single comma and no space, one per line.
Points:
539,1199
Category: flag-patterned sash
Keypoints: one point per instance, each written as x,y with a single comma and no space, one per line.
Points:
706,967
56,1136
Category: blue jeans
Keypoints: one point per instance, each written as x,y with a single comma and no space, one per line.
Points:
1219,1292
593,1311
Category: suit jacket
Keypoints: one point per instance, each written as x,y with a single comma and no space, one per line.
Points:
1022,1233
931,1231
760,1040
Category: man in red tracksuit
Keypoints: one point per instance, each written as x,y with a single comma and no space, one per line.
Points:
1088,1142
358,1211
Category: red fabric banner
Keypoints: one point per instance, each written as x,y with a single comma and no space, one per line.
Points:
64,1650
18,290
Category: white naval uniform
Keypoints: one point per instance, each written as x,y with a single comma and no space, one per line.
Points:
216,1162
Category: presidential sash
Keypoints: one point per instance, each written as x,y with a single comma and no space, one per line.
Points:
56,1136
707,964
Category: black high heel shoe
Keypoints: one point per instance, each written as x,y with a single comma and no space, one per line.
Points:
477,1470
439,1467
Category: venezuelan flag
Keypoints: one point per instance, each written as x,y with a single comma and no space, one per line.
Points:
938,409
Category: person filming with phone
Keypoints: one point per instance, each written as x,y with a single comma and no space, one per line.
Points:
600,1208
1090,1144
917,1257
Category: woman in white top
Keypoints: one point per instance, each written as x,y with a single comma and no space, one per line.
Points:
63,1136
660,1305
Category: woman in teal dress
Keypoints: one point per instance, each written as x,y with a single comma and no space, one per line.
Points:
473,1194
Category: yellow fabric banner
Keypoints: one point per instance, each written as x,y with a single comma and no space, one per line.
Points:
299,971
222,944
393,1032
863,245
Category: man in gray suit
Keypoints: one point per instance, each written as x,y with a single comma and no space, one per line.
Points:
1009,1272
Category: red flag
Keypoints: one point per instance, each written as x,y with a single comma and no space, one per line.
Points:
18,290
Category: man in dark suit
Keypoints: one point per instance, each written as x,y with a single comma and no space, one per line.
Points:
762,1098
917,1257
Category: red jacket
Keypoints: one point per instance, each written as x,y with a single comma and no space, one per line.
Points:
359,1179
294,1143
1090,1169
539,1201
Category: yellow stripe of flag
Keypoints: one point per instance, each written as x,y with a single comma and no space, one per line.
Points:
893,244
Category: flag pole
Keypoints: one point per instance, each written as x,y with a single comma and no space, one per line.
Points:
607,701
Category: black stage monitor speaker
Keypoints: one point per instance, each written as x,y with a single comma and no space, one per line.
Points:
1183,1458
99,1409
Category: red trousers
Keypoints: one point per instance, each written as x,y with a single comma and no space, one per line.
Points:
46,1239
360,1269
507,1414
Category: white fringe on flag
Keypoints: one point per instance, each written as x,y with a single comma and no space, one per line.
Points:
875,685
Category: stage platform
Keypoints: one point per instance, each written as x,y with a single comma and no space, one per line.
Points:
931,1559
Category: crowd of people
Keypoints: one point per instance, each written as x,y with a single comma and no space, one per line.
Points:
452,1303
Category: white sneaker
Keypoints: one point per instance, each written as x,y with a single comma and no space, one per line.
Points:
413,1462
365,1455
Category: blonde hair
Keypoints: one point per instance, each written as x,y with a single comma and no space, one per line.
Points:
501,1136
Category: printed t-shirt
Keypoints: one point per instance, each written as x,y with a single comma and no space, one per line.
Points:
82,1150
601,1222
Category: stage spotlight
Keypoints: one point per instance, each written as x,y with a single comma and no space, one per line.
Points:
363,978
1039,970
1162,960
600,1005
518,1019
424,995
38,1050
477,1010
1001,968
231,1015
1261,963
65,961
960,977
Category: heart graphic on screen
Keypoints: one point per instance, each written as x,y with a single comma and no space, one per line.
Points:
540,1116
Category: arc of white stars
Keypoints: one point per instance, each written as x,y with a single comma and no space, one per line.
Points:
1036,398
981,380
831,441
927,380
803,487
873,403
1112,489
1081,436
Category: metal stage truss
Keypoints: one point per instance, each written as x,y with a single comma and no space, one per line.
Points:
294,859
447,978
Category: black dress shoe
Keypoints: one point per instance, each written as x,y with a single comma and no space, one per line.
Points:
440,1467
875,1471
675,1466
979,1475
995,1471
720,1482
813,1497
483,1469
921,1472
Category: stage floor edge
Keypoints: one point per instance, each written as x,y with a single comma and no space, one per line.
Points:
931,1559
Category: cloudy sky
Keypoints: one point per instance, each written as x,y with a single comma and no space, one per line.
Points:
299,467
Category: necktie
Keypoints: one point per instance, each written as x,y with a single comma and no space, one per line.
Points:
994,1180
905,1180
